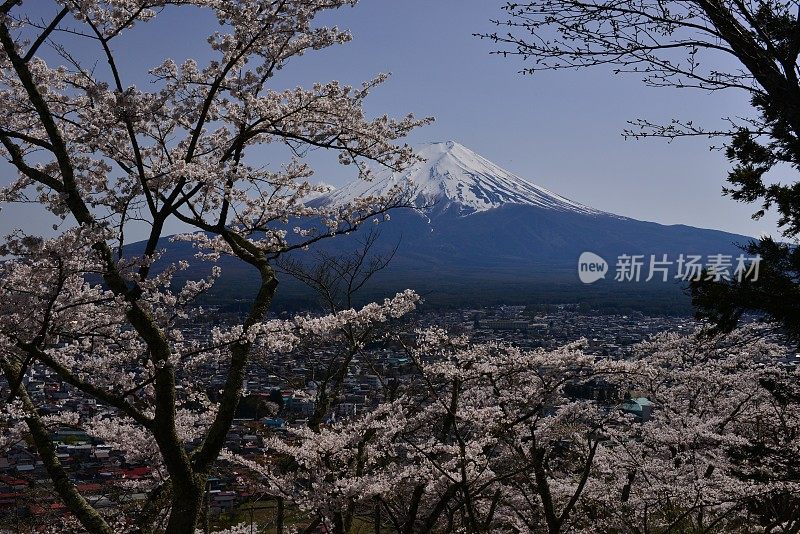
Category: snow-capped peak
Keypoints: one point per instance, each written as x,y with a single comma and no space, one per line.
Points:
451,174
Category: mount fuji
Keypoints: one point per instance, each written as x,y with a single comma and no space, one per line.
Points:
486,235
450,175
490,235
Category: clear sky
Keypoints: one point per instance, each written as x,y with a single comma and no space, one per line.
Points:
561,130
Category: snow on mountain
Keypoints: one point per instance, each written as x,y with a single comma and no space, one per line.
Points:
452,175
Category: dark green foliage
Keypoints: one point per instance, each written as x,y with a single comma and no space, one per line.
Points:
775,294
771,146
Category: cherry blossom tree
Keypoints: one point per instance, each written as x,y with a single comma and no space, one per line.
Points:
337,280
107,157
719,454
489,437
485,438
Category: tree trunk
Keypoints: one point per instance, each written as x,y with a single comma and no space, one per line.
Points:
280,517
338,524
84,512
377,516
187,506
543,488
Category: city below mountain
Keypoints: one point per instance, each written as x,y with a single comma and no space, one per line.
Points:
491,236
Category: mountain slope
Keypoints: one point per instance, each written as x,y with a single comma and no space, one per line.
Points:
494,232
493,236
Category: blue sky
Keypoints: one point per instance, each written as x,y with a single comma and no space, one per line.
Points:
560,130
